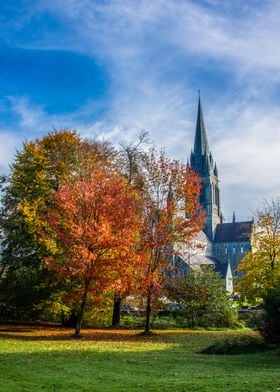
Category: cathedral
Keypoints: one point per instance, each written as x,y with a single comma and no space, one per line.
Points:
220,243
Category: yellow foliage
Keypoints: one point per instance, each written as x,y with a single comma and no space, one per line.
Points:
261,268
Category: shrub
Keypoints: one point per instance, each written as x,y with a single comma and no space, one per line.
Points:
204,299
252,318
164,322
242,345
132,321
271,305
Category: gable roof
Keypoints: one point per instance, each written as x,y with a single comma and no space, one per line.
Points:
233,232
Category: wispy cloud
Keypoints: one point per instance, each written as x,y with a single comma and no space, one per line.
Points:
157,53
248,156
8,144
132,28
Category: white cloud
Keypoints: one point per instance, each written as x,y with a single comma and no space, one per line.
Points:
8,144
139,43
28,116
131,28
246,147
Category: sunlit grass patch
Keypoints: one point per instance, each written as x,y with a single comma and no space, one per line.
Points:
49,359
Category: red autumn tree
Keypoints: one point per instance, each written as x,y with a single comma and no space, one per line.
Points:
171,215
130,164
94,224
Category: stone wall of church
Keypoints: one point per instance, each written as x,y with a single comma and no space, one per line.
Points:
232,252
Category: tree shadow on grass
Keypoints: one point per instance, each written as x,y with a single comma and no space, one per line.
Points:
43,333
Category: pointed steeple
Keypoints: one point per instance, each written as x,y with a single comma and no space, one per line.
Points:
201,146
204,165
233,217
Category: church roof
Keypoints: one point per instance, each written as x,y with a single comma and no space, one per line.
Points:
234,232
196,261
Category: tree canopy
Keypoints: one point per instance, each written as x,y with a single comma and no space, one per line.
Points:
93,225
205,302
260,268
80,219
171,213
36,173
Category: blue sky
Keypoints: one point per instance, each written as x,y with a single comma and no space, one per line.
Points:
111,68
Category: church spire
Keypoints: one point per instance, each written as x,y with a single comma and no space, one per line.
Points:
201,157
201,146
203,163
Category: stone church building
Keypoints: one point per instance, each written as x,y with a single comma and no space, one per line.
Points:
220,244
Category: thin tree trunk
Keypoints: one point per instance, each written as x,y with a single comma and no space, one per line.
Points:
148,313
2,270
116,311
79,326
81,312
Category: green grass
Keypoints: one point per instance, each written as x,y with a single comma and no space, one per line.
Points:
40,359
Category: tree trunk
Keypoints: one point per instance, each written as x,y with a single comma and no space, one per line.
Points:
81,312
2,270
79,326
148,313
116,311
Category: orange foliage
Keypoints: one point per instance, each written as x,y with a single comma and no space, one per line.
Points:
94,224
171,215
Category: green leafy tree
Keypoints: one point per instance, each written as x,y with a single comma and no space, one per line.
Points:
36,174
271,305
261,268
204,299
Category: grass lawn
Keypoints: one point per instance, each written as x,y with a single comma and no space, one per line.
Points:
41,359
